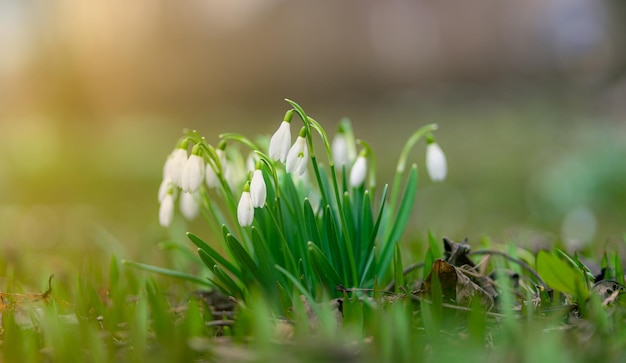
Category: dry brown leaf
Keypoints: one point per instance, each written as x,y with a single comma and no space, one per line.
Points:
455,286
14,301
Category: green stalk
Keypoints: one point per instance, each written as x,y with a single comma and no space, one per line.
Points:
421,132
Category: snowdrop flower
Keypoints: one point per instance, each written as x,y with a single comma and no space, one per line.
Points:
359,170
166,210
281,140
164,188
251,162
210,177
245,208
189,206
176,163
339,148
193,172
258,190
298,155
435,161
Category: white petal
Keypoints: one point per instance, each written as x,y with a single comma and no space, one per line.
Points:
164,188
297,157
245,210
211,179
358,172
280,142
436,162
176,166
251,162
189,206
258,190
166,210
193,174
340,151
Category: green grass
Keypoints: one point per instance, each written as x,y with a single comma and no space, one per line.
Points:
130,315
322,301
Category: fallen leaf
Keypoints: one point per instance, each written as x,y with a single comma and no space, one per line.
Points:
14,301
456,287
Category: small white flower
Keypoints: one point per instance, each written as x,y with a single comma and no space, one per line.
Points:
358,172
189,206
258,190
339,147
280,142
164,188
297,157
436,162
176,165
251,162
245,209
210,177
193,173
166,210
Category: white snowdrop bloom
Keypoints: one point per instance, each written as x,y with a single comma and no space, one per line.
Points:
176,165
193,173
358,172
280,142
339,148
245,209
164,188
258,190
251,162
436,162
210,177
189,206
166,210
298,157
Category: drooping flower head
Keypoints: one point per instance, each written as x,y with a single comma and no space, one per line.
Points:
245,208
189,206
211,178
176,163
343,146
435,161
193,172
258,190
298,155
359,170
166,209
281,140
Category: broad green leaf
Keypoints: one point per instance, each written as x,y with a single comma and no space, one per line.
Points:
312,232
400,222
213,254
167,272
398,269
560,275
296,283
324,269
435,247
228,282
248,267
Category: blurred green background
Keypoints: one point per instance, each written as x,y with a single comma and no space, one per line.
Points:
530,98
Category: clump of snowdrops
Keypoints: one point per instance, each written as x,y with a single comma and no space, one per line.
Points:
292,224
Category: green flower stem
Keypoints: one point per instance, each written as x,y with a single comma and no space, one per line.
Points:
320,130
309,136
421,132
344,225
